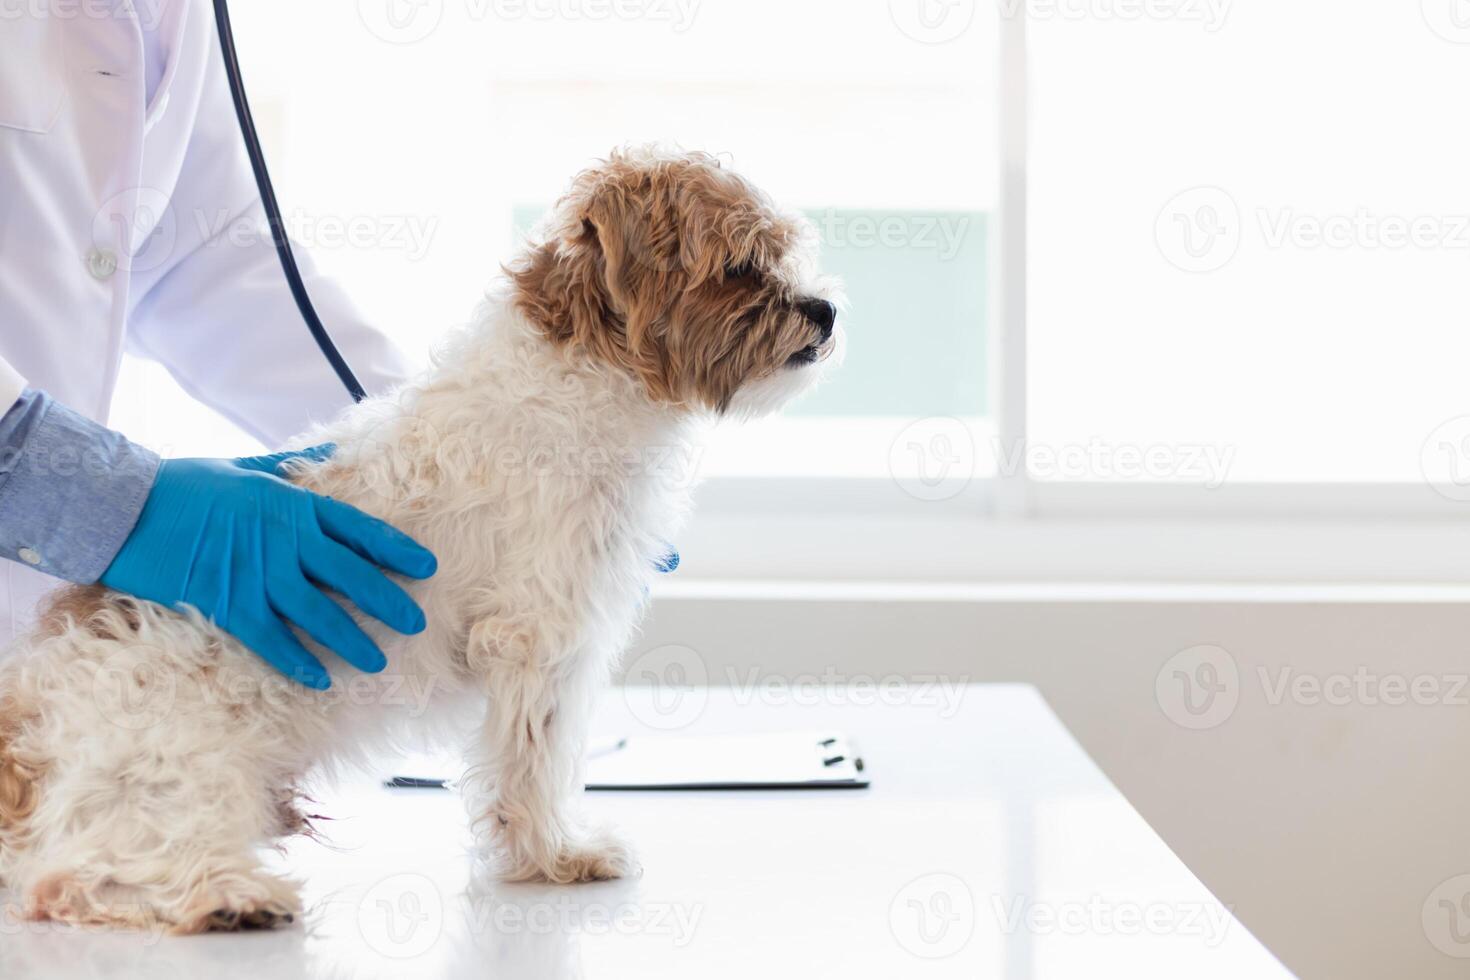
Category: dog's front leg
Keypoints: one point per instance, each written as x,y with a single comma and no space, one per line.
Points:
525,779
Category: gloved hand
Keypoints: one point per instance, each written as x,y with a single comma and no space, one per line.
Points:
250,550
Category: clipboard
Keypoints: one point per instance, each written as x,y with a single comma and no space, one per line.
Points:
786,760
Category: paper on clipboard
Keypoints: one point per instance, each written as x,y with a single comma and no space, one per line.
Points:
788,760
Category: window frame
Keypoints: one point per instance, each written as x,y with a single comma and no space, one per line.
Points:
1012,527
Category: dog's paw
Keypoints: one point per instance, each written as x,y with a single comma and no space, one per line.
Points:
250,918
600,856
243,903
233,903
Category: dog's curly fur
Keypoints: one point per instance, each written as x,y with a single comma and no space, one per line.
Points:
145,757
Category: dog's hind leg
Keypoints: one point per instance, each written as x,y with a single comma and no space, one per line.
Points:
135,787
176,851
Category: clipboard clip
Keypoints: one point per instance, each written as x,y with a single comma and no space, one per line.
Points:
832,760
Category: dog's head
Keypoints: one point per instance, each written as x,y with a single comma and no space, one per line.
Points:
681,273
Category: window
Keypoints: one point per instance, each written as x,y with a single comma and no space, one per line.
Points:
1250,240
1107,262
462,121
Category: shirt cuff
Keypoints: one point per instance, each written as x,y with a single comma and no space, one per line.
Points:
70,489
12,385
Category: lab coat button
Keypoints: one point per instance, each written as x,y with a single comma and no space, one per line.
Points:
101,262
30,556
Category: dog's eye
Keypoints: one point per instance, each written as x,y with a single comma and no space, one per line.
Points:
743,270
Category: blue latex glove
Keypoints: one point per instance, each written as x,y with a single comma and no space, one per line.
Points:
250,551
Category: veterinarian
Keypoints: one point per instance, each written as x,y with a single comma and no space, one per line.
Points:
123,190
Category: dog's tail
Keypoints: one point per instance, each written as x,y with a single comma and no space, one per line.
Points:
18,779
23,764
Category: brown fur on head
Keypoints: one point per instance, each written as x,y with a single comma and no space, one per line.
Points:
679,272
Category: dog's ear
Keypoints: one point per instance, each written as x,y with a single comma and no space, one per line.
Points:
588,284
637,262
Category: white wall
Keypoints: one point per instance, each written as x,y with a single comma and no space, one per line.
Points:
1326,827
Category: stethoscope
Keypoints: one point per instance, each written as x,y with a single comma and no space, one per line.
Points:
273,210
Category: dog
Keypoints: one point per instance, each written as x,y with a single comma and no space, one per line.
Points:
146,757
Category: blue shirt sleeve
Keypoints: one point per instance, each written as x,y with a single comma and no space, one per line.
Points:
70,489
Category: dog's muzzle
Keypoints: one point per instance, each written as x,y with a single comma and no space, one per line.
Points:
823,315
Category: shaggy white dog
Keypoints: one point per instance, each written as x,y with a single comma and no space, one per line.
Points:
145,757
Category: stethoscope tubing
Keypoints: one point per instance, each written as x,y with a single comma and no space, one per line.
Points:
273,210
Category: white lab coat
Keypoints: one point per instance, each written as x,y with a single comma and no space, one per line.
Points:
120,228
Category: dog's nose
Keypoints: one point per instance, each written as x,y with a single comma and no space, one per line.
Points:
820,312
